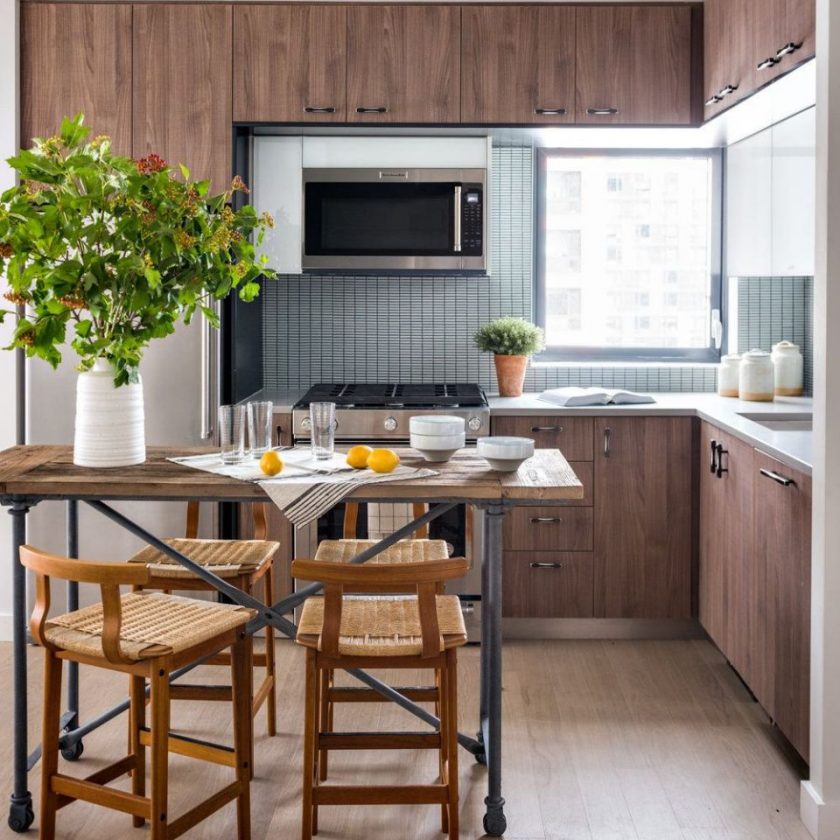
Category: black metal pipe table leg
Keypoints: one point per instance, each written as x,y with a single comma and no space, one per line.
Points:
484,670
491,725
21,815
72,751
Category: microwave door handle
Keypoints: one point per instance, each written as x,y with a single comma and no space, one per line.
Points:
457,238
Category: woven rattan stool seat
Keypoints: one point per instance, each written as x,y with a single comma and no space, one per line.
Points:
153,624
405,551
382,626
228,558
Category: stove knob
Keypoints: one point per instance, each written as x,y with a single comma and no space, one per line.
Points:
306,424
390,424
474,424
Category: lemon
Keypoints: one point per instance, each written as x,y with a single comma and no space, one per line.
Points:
357,457
271,463
383,460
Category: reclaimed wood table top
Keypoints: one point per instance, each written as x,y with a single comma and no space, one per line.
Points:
47,471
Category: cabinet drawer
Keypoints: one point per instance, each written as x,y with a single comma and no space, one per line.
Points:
549,529
547,584
571,435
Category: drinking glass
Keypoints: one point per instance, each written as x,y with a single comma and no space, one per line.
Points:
260,417
322,418
232,433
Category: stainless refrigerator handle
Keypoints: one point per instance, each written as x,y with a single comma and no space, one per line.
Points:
457,246
208,378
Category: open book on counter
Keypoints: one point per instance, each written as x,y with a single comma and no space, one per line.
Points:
572,396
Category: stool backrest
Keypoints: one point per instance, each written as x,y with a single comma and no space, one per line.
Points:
425,579
258,511
109,576
351,520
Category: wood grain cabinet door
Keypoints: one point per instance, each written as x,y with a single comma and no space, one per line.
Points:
644,517
182,87
547,584
403,64
729,53
76,57
503,83
571,435
289,63
783,541
783,36
634,65
731,574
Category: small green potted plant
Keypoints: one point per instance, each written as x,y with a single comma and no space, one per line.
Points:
512,340
109,253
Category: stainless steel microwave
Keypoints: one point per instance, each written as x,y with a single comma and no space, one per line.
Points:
394,220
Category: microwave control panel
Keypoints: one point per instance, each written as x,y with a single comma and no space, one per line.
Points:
472,221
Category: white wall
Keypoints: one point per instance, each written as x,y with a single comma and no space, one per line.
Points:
8,146
820,801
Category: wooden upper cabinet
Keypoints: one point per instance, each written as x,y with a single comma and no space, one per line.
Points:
784,35
729,59
644,517
634,65
502,81
182,87
403,64
289,63
76,57
783,542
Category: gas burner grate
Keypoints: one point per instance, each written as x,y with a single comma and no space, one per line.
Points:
413,395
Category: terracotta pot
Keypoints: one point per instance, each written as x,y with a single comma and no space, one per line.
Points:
510,374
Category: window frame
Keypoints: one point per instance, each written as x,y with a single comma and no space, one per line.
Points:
647,355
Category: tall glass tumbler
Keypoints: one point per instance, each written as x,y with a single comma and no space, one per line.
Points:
260,421
322,418
232,420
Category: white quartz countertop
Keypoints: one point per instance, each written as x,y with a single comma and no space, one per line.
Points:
794,448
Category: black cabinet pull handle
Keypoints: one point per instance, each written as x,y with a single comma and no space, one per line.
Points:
550,112
546,428
607,442
319,109
546,565
713,100
772,61
601,112
779,479
720,468
787,49
381,110
535,520
713,464
725,91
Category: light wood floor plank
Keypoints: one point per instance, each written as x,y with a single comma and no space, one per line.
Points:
603,741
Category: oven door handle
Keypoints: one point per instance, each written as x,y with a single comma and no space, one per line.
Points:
457,219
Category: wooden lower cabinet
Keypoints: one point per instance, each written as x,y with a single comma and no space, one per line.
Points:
547,584
783,541
644,517
571,435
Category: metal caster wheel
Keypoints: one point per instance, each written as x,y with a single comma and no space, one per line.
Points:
495,823
74,752
21,815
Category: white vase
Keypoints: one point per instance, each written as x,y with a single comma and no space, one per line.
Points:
110,423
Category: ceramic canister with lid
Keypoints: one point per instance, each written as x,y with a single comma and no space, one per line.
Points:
788,369
728,373
756,381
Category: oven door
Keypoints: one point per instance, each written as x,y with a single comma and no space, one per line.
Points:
392,220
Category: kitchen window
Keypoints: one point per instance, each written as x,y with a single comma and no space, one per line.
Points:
628,255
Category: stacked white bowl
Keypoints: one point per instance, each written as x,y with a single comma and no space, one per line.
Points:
437,437
505,454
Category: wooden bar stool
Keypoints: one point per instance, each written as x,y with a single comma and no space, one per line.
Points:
422,630
419,549
147,636
243,563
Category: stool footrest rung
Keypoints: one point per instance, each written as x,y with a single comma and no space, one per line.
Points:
181,691
380,795
105,775
203,810
379,740
419,694
87,791
194,748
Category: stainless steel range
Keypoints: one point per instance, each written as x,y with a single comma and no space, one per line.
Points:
372,412
379,414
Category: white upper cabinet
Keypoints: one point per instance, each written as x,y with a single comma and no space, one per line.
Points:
794,199
770,201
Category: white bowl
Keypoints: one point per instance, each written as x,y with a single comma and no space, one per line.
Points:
505,454
437,456
437,441
436,424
